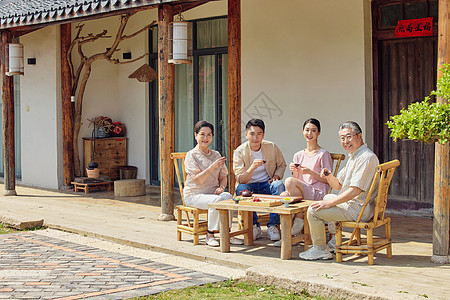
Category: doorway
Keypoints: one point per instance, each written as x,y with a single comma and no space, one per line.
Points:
405,72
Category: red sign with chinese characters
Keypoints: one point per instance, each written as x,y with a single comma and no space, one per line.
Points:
414,27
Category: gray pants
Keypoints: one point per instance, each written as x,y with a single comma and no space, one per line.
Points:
317,220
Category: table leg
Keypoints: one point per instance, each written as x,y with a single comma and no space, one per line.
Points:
248,224
286,238
307,234
224,230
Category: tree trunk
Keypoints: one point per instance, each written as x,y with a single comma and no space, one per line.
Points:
234,83
166,113
67,114
441,224
77,119
9,159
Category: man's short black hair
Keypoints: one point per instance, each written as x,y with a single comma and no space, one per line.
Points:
255,122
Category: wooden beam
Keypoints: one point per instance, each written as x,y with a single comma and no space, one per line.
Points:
67,112
9,161
441,224
166,113
234,83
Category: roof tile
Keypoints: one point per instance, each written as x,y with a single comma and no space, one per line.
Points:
29,12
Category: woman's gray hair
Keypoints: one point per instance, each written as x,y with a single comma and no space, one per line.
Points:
352,125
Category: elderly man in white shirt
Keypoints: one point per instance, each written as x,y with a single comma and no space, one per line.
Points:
352,182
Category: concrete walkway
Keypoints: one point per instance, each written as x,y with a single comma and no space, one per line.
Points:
408,275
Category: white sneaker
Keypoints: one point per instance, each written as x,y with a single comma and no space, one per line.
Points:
297,226
236,241
256,232
212,242
315,253
273,233
332,244
277,243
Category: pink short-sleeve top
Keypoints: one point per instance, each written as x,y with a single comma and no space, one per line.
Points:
317,162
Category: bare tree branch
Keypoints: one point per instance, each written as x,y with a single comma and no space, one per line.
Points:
139,31
82,74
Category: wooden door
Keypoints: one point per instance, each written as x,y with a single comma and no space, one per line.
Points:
407,73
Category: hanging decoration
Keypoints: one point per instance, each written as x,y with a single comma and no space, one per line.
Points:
180,41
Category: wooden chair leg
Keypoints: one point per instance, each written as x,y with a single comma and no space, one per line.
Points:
358,236
179,221
387,229
196,223
370,245
338,242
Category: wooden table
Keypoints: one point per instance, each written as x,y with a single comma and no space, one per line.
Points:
86,187
285,219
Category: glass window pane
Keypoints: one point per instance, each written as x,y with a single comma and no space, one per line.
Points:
207,91
415,10
390,15
154,126
17,138
184,108
212,33
155,39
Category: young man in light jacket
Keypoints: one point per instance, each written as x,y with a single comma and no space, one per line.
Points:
259,167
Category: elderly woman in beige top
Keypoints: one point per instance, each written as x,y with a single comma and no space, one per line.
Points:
206,179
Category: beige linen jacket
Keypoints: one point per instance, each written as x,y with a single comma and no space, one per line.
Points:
242,160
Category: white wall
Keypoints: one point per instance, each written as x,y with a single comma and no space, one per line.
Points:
308,60
41,110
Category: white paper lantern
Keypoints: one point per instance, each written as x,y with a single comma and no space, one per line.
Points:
14,61
180,42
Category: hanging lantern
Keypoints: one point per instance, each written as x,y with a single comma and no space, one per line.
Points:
14,59
180,41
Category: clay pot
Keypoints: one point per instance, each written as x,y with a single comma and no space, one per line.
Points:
246,193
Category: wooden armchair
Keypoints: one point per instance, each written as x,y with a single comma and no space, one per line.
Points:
193,224
337,159
370,245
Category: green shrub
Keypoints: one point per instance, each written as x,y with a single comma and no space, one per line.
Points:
424,121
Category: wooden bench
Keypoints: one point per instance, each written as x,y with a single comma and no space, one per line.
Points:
88,186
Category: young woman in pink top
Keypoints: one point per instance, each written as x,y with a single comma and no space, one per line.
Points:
306,167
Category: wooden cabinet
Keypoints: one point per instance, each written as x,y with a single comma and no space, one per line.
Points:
110,154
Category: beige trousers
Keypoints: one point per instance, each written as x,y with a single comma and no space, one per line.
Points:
317,220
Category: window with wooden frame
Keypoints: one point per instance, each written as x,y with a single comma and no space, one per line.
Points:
389,12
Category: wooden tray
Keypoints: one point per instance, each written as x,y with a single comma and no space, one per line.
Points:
266,200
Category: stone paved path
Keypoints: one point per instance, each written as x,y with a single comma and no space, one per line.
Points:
40,267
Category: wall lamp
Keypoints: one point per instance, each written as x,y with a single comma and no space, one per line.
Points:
14,59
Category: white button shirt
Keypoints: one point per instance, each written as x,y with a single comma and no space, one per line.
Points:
359,172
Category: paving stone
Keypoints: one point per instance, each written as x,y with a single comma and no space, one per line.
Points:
82,272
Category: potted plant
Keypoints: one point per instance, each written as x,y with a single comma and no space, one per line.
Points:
424,121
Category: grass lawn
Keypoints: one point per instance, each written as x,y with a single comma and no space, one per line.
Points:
4,229
232,289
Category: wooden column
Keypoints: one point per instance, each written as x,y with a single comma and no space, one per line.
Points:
234,83
166,113
67,114
9,159
441,227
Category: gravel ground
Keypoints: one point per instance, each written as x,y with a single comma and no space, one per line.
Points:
156,256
